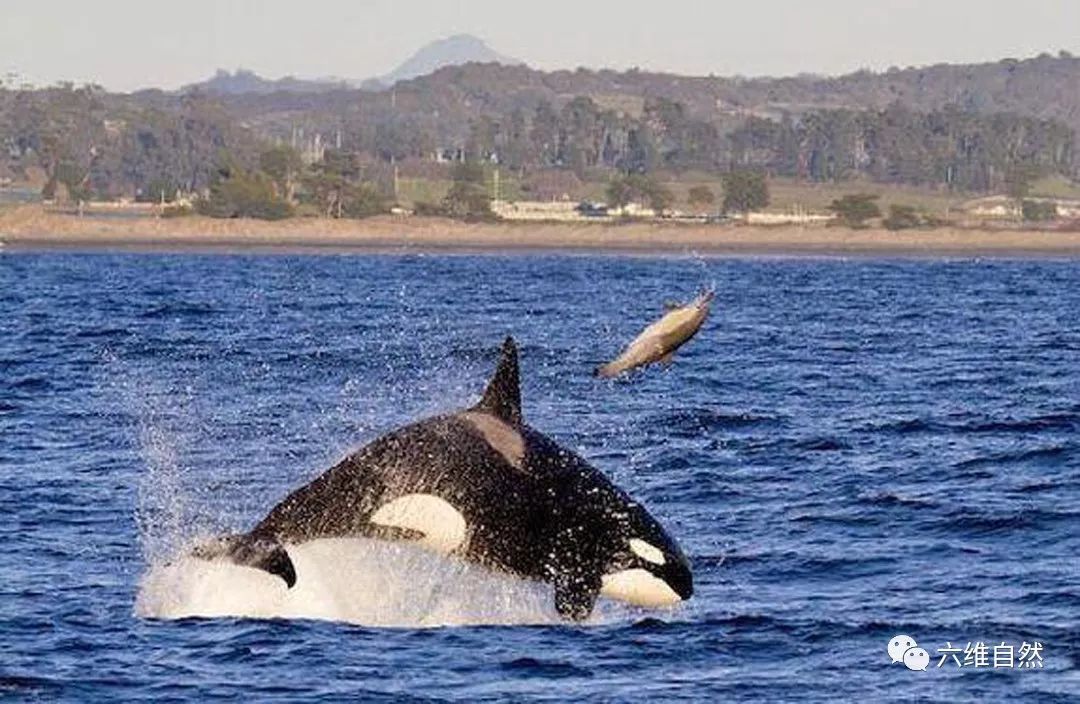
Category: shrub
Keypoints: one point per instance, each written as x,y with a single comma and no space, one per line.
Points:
745,191
638,187
235,194
364,201
468,198
701,197
903,217
1038,210
855,209
431,210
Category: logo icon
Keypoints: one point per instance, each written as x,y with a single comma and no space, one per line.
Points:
916,658
904,649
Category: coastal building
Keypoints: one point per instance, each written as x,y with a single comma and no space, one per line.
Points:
565,211
795,217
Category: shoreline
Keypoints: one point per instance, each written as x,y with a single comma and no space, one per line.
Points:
32,228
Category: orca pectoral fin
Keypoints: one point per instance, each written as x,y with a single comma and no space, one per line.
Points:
261,552
575,596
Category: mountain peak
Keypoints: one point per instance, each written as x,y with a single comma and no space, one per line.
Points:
450,51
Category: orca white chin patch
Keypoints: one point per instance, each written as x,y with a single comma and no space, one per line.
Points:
638,587
442,525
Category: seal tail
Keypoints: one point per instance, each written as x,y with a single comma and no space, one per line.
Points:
258,551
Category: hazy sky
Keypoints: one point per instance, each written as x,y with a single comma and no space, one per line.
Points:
128,44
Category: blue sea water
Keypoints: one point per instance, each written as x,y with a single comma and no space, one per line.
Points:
850,450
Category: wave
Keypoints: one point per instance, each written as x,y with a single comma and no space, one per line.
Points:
1036,424
1012,457
184,310
31,383
532,667
1056,421
30,687
98,333
890,498
697,421
972,521
843,519
829,568
821,444
903,426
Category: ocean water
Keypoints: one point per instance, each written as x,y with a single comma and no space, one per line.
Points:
849,450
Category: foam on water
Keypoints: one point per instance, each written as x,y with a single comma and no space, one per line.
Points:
355,580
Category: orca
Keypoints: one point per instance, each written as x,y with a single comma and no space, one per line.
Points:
482,486
658,342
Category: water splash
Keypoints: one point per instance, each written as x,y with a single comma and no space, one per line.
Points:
354,580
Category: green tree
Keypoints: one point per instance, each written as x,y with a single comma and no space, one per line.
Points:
1038,210
363,200
238,194
903,217
75,178
619,192
623,190
701,197
744,191
855,209
281,164
468,196
329,181
1018,180
659,197
157,190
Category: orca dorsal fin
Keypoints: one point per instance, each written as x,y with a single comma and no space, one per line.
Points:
502,397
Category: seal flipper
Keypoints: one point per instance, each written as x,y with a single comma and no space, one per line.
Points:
575,596
502,398
258,551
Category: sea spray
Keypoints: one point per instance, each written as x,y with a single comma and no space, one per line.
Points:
354,580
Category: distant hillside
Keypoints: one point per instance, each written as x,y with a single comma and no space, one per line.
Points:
1044,87
453,51
970,128
244,81
442,108
462,76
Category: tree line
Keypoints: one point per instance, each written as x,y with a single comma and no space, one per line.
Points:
951,148
92,144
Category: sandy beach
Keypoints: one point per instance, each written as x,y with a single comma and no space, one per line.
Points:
32,227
